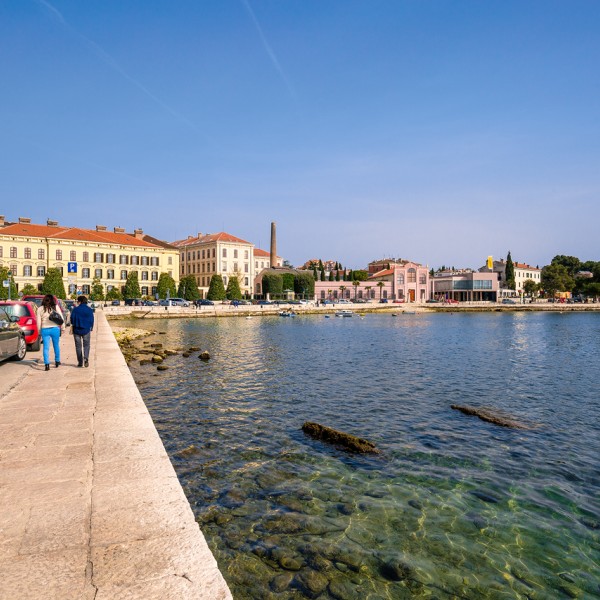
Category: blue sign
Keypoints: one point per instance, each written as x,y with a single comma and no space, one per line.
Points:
72,267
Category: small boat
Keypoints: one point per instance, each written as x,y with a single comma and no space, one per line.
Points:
287,313
344,313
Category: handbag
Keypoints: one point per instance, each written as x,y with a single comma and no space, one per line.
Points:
56,318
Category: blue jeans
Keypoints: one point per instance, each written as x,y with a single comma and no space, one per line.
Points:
51,333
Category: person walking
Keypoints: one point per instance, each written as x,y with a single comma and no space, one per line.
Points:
51,324
82,323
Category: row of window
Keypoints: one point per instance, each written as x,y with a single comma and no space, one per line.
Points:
412,278
124,259
85,273
211,253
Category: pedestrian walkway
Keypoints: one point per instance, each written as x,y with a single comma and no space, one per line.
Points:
90,506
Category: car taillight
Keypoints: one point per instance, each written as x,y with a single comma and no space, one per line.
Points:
29,321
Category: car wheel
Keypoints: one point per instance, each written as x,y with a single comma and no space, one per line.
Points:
35,346
21,351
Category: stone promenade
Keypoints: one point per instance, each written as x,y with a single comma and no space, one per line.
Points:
90,506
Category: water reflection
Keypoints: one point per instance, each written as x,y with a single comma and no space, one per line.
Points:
454,507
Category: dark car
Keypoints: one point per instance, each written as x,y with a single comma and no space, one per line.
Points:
204,302
508,301
383,301
264,303
37,300
70,304
134,302
150,303
26,313
115,303
12,340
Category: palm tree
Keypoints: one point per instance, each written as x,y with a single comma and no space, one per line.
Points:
355,284
342,288
368,290
380,285
329,292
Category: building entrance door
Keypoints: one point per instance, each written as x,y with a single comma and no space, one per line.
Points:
411,295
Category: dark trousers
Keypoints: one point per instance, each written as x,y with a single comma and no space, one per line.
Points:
82,346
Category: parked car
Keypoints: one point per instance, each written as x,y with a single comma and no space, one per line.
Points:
26,313
326,301
37,300
433,301
115,303
383,301
179,302
150,303
264,303
204,302
399,301
344,301
12,339
134,302
508,301
70,304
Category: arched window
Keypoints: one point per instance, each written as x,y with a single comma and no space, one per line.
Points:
412,276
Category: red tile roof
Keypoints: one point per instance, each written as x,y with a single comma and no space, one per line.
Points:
74,233
210,237
525,266
260,252
384,273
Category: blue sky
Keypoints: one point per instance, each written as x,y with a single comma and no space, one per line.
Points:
440,131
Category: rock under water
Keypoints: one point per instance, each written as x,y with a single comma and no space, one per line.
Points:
339,438
490,416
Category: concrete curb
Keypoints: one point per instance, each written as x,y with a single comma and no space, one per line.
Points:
90,504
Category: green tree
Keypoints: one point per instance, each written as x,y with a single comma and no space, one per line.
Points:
360,275
592,289
331,277
97,291
571,263
188,289
510,272
29,290
337,275
342,290
287,281
355,283
556,278
368,289
530,287
233,291
216,289
304,283
132,286
6,274
166,284
53,284
315,273
114,294
380,285
272,284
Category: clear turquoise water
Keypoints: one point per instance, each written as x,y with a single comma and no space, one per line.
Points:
452,508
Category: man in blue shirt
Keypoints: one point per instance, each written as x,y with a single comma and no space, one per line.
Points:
82,323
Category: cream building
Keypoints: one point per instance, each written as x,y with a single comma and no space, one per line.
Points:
216,253
29,250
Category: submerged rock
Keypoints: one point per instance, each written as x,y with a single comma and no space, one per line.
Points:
162,368
193,348
186,354
189,451
489,415
157,359
204,355
339,438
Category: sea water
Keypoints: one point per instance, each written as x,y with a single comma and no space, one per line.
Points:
452,507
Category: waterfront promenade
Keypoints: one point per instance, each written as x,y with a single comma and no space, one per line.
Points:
90,506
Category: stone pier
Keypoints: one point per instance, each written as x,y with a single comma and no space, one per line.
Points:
90,506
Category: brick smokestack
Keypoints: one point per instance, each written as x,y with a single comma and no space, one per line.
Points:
273,257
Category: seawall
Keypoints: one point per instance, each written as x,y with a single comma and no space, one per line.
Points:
90,505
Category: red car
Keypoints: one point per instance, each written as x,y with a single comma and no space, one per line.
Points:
26,312
37,300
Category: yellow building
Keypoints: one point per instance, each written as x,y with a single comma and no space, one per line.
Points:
29,250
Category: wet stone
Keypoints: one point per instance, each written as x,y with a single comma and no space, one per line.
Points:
162,368
342,589
395,570
186,354
193,348
282,582
311,582
204,355
157,359
415,504
345,508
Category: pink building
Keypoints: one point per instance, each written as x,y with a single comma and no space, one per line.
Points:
404,280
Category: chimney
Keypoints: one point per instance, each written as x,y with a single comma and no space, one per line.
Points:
119,230
139,234
100,227
51,223
199,235
190,237
1,220
24,220
273,256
